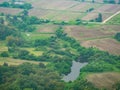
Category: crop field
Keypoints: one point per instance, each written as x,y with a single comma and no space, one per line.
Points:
106,44
104,80
71,10
99,37
12,11
67,10
83,33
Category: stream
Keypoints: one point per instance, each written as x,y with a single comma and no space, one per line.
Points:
75,71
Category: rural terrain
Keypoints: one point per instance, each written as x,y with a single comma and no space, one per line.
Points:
39,40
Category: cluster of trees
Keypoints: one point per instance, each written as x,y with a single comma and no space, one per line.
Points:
90,10
14,5
28,76
117,36
24,22
6,31
37,77
109,1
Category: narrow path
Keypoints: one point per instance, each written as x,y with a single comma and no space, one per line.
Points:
110,17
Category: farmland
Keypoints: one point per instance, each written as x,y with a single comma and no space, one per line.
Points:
98,36
106,44
12,11
40,42
104,80
71,10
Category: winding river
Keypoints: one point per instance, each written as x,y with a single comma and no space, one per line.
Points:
75,71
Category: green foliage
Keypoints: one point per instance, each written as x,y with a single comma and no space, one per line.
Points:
11,41
4,54
116,86
29,76
14,5
109,1
80,85
7,31
117,36
41,42
99,18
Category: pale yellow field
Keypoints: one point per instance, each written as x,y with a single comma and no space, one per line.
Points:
12,61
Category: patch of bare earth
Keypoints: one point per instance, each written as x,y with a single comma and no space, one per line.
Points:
104,80
12,11
82,33
110,45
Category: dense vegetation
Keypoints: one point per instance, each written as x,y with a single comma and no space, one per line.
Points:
14,4
117,36
30,77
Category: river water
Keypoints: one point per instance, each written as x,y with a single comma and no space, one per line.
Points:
75,71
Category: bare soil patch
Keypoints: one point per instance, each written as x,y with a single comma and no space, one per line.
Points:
12,11
84,33
108,8
54,4
66,10
110,45
104,80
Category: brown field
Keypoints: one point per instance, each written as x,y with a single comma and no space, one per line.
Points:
82,33
54,4
104,80
90,16
83,7
71,10
99,37
67,10
110,45
12,11
108,8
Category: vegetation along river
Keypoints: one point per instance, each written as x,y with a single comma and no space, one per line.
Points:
75,71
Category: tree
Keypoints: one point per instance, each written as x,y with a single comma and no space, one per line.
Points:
82,0
1,21
117,36
5,4
99,18
4,54
116,86
112,1
25,13
93,1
